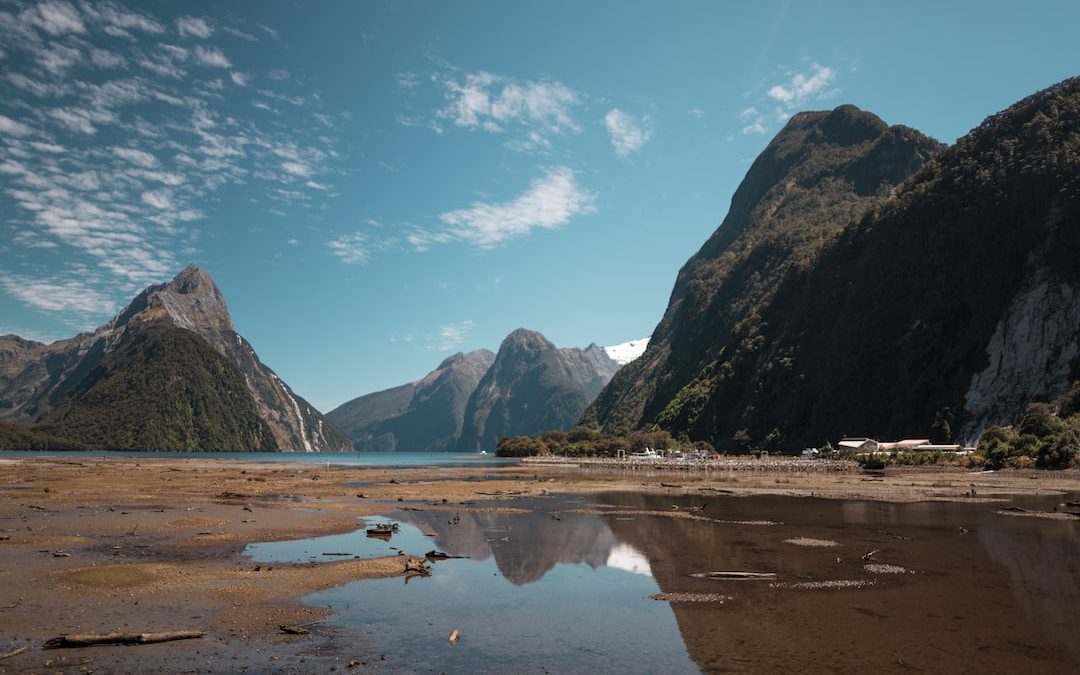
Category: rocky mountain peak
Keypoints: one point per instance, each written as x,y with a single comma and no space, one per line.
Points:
848,125
193,301
192,279
525,340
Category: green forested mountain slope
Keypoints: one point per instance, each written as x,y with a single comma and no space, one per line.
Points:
943,304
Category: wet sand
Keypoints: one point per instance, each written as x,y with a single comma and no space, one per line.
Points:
144,544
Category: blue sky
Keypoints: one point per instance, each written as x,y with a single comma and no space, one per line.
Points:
375,185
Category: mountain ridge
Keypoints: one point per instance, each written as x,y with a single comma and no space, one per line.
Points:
429,414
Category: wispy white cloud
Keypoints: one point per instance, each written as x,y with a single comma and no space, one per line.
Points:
802,87
57,295
492,102
55,17
13,127
120,21
696,113
114,188
550,202
236,32
529,111
753,121
212,57
450,336
194,26
408,80
627,133
136,156
353,248
787,97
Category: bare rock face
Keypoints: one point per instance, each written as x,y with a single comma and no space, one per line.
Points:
35,377
1030,355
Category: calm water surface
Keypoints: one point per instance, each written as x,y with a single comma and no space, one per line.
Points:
387,459
972,590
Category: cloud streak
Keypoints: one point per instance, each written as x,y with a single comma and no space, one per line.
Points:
550,202
450,336
57,295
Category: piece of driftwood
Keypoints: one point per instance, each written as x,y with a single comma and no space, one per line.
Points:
871,554
294,630
735,576
90,639
439,555
13,652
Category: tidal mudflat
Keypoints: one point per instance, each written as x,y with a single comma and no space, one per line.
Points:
561,571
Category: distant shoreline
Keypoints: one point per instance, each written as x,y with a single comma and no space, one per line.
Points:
747,463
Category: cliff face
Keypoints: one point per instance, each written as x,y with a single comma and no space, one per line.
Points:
532,387
1031,354
943,303
45,383
425,415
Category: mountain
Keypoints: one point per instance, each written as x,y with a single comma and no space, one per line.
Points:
169,372
821,171
423,415
868,282
532,387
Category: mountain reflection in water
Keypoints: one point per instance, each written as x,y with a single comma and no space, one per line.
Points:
527,545
969,590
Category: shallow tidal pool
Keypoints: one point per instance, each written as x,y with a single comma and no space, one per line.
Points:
746,584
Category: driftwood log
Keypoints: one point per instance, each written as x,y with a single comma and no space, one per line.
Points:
13,652
90,639
735,576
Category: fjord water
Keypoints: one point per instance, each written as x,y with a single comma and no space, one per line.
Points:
384,459
565,586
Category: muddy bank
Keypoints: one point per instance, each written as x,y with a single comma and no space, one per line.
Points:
145,544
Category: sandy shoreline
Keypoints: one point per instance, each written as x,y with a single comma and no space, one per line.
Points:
144,544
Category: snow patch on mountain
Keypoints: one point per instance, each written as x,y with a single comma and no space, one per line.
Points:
626,352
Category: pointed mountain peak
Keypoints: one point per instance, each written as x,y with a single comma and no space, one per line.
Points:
525,339
192,279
